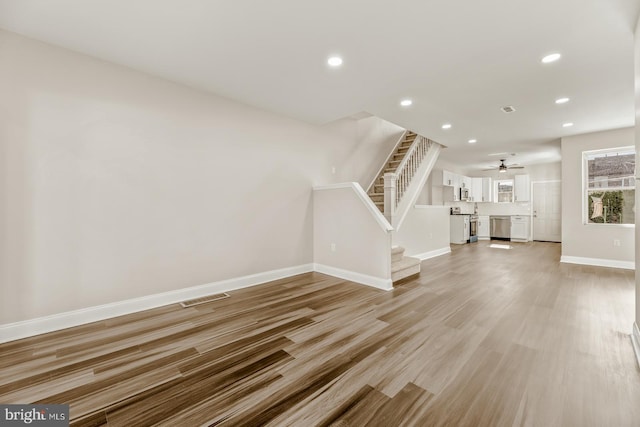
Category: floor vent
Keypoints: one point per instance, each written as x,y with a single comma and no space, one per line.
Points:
204,300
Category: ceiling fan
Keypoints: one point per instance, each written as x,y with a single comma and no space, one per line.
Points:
502,168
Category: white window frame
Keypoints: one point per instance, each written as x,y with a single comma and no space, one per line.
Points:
585,183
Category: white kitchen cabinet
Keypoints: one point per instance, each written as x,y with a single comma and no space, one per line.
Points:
449,178
465,182
483,227
476,190
459,229
487,190
448,182
522,190
520,228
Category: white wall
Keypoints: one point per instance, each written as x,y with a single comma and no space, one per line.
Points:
361,162
591,241
356,246
424,232
115,184
637,144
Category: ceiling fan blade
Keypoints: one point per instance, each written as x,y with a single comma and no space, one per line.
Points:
515,167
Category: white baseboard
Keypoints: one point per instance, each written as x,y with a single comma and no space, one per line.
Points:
364,279
484,238
635,341
432,254
598,262
41,325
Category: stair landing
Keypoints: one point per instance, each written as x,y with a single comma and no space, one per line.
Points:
403,266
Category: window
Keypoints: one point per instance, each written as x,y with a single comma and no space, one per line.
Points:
610,186
504,191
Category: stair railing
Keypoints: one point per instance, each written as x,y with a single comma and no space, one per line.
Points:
384,165
396,184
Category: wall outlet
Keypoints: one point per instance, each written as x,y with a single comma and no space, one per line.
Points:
333,170
333,247
616,242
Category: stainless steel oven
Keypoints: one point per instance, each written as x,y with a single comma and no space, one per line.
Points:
473,228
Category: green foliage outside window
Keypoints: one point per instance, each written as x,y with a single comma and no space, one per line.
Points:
613,206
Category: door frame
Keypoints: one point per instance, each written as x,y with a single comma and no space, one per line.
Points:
544,181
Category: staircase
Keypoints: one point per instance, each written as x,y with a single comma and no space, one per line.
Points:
402,178
403,266
376,192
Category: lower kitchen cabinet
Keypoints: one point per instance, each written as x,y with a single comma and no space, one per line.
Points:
483,227
520,228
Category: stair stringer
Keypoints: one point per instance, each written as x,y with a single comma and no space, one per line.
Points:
415,187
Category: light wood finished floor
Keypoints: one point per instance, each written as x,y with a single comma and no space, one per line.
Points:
485,337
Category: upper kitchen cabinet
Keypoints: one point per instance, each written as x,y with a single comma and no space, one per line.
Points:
443,177
522,190
449,183
481,190
476,190
487,190
465,182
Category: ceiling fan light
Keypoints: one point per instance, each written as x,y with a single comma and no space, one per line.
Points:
502,170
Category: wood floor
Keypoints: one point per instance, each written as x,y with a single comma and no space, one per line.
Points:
484,337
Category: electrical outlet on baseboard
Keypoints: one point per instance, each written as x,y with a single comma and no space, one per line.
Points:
616,242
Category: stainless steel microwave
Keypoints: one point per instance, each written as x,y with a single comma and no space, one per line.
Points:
464,194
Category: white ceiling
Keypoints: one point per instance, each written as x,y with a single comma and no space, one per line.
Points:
459,61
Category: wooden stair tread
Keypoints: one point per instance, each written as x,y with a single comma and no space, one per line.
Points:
405,262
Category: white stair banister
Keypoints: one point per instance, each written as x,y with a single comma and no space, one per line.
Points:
397,184
410,164
390,198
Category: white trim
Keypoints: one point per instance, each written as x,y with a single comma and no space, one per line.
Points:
599,262
41,325
585,179
366,200
364,279
635,341
416,184
432,254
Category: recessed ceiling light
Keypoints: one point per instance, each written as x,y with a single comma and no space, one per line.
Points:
473,141
406,102
334,61
562,100
567,125
551,58
446,126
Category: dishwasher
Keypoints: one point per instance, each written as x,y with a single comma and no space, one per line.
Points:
500,227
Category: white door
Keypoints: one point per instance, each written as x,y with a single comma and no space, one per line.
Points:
547,209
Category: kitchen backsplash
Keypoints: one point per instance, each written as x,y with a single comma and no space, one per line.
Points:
523,208
494,208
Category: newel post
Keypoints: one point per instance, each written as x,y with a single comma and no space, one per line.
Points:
390,180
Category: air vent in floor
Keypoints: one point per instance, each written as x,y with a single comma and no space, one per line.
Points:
204,300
